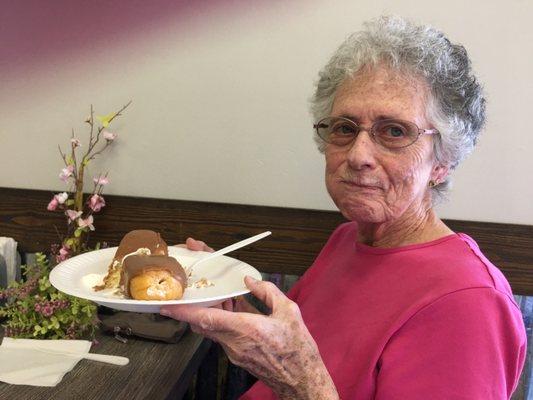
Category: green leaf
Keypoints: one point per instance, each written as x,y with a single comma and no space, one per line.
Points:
70,202
77,232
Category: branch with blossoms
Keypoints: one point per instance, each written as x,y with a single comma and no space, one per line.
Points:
33,308
78,209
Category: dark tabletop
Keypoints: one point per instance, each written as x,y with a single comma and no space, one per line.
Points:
156,371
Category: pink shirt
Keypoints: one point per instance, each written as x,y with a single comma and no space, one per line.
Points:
428,321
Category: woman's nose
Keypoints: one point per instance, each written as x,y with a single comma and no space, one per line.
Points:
361,153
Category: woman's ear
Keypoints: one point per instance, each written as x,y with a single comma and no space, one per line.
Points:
439,173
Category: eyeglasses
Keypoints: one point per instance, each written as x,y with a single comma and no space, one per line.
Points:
390,133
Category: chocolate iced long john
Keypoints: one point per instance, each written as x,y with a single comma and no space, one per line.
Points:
131,243
153,277
151,274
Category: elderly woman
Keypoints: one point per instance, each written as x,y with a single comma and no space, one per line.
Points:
397,305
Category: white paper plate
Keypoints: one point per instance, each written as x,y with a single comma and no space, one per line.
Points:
77,275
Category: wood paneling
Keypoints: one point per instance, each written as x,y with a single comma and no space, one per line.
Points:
156,371
298,234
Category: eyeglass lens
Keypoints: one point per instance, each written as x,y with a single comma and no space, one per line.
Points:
389,133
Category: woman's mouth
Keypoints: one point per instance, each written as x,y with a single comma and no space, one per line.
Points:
360,185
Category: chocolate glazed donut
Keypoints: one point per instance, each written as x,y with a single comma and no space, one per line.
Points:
147,277
129,244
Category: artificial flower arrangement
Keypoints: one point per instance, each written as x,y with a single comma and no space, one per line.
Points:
33,308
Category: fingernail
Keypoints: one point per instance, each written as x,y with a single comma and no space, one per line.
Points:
164,312
252,278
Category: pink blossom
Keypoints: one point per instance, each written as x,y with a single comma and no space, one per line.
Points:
75,142
87,222
61,197
109,136
53,204
73,215
58,199
66,173
101,180
64,253
96,202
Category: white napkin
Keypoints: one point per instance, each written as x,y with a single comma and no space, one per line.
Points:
33,362
8,250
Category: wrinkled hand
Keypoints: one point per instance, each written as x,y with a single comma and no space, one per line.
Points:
240,303
278,349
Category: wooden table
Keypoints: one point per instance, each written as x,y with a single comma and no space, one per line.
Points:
156,371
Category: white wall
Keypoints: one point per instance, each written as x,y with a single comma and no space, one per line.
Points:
220,102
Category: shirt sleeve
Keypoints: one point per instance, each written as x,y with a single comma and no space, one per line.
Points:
468,344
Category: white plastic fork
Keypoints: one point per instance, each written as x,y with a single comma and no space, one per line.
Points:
232,247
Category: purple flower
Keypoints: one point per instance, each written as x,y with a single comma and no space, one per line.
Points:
47,311
64,253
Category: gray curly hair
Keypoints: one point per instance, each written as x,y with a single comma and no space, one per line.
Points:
456,106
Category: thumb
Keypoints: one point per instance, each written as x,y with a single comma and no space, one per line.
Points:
267,292
197,245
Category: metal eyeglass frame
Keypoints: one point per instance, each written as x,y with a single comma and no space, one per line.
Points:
370,130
